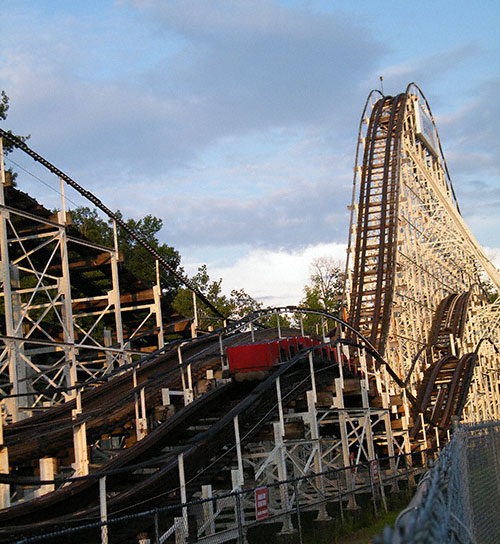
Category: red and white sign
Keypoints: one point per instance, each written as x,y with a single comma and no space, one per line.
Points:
261,503
375,474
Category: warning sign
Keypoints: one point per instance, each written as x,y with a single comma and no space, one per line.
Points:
261,503
375,475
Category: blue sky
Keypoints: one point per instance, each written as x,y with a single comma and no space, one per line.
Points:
236,121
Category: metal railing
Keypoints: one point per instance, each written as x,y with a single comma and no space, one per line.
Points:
236,515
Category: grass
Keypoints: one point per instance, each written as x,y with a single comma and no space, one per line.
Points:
366,534
359,526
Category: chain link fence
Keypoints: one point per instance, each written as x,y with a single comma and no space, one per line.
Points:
458,500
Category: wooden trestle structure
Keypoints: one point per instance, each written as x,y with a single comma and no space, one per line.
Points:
91,388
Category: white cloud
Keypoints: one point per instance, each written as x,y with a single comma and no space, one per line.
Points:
238,68
240,127
493,254
275,278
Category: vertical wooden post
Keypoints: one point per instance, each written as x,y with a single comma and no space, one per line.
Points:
208,509
318,465
238,451
4,467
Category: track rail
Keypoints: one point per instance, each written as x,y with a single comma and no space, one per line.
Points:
146,469
376,235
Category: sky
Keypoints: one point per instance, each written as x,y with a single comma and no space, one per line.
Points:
235,121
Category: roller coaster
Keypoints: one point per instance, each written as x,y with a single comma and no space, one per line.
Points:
107,395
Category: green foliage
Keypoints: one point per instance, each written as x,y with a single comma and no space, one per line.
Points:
137,259
4,105
242,304
92,226
235,306
272,321
489,289
7,145
324,292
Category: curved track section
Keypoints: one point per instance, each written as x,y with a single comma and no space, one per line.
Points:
374,262
414,267
443,391
411,299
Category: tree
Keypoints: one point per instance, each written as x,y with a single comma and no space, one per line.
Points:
235,306
489,289
137,259
324,292
7,145
242,304
92,226
4,105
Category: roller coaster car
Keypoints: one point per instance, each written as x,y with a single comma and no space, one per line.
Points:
256,361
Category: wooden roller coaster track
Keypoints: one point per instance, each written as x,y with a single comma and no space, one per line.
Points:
419,347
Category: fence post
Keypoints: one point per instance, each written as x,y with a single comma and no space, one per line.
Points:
297,509
318,466
372,487
182,485
157,528
239,513
103,509
341,504
282,476
241,536
180,531
381,483
4,467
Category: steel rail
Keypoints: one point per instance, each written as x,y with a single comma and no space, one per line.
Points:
444,387
46,431
389,213
361,231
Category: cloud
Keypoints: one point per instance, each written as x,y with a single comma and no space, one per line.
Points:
236,68
275,278
278,277
493,254
293,198
234,121
471,132
427,70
